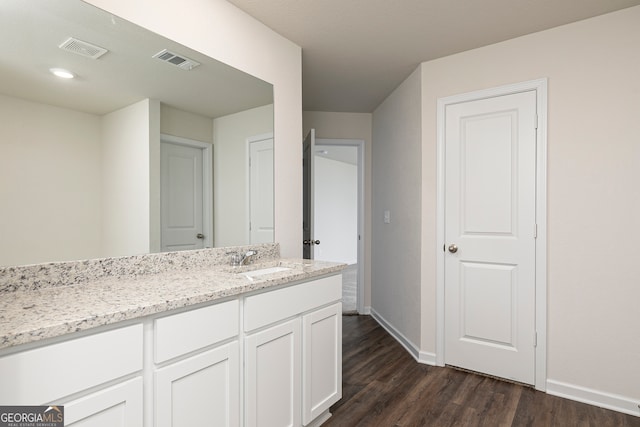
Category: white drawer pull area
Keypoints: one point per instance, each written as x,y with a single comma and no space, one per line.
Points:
182,333
269,307
37,376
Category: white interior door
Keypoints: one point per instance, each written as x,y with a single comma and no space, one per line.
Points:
490,195
181,183
261,191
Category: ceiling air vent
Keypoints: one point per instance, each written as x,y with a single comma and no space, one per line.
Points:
177,60
85,49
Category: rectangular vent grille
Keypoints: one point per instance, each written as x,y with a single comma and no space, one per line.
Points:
85,49
177,60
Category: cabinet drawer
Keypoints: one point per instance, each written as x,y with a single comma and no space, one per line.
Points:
269,307
42,375
195,329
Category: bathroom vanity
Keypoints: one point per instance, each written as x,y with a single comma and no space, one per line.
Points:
175,339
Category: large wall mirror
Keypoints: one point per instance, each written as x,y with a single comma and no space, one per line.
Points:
148,137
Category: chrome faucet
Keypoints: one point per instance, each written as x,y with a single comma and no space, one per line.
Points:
238,258
246,258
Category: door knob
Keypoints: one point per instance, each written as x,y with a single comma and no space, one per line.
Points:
200,236
453,249
315,242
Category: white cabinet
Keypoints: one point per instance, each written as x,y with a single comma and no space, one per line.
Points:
322,361
204,388
201,390
272,359
293,353
272,386
117,406
57,373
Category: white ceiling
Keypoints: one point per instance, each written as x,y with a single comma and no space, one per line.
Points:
32,30
355,52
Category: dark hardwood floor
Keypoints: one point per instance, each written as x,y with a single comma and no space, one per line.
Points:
384,386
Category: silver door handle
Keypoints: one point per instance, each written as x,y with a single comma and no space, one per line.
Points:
200,236
453,249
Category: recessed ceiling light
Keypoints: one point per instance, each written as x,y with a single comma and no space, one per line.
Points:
62,73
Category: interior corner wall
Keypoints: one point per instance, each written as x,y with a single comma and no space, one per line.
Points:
230,172
593,200
126,184
224,32
396,187
43,149
331,125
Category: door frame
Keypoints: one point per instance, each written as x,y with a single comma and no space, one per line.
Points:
207,184
540,87
359,144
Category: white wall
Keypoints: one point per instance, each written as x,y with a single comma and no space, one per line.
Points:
185,124
222,31
336,210
43,149
593,197
350,126
593,175
396,186
230,172
126,185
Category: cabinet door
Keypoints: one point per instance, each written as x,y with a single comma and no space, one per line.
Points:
321,361
117,406
272,384
203,390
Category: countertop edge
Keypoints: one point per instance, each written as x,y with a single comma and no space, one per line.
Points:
234,287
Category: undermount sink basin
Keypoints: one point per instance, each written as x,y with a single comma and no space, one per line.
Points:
263,271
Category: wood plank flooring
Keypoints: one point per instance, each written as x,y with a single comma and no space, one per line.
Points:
384,386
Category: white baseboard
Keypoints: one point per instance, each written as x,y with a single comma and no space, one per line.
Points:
599,398
414,351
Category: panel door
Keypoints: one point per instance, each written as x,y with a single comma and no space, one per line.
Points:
272,383
261,191
181,201
203,390
117,406
490,235
321,361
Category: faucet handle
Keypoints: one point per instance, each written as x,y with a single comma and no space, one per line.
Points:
236,258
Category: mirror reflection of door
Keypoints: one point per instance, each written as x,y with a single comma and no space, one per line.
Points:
184,217
331,207
261,222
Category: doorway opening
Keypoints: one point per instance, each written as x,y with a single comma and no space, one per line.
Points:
333,210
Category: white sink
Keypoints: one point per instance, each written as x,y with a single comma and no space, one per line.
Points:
263,271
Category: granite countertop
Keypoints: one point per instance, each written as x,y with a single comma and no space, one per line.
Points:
28,315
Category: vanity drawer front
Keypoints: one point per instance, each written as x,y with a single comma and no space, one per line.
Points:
45,374
192,330
269,307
